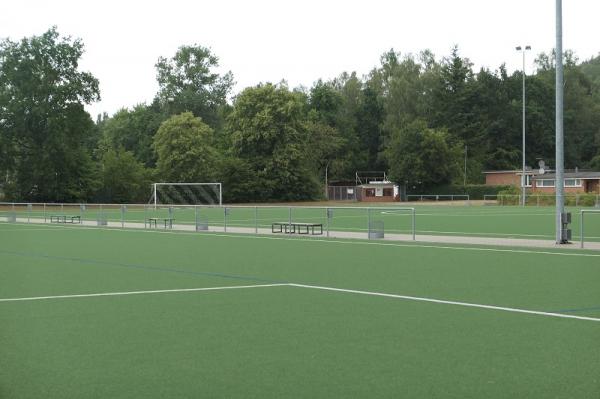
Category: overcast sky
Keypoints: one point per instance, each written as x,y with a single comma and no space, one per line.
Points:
299,41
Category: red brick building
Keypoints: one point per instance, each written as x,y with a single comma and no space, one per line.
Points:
575,181
377,192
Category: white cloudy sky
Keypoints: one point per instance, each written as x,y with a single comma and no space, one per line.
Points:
299,41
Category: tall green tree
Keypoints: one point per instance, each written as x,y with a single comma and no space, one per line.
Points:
421,157
268,131
188,82
185,151
123,178
134,131
43,125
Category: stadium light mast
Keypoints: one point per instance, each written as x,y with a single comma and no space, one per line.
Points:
523,177
560,153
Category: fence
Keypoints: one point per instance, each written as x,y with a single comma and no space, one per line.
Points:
585,200
439,197
342,193
581,230
340,222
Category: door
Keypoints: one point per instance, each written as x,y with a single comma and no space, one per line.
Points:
592,186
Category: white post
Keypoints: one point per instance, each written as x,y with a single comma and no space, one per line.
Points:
414,232
581,229
154,196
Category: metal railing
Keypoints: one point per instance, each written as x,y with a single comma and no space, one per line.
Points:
587,200
341,221
439,197
582,213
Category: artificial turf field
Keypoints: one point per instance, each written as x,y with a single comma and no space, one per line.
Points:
311,322
529,222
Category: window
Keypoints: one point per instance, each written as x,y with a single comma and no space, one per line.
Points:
370,192
545,183
388,192
528,180
572,182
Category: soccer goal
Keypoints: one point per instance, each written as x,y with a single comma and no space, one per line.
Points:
186,194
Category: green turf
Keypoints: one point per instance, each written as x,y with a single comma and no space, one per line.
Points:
287,341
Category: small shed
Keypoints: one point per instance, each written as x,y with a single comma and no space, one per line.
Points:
377,191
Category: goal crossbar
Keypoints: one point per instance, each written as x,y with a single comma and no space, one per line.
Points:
155,188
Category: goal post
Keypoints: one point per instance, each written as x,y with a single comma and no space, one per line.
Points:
186,194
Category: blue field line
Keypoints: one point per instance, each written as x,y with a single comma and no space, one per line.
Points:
575,310
143,267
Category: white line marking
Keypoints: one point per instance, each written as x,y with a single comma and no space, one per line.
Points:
37,298
316,287
472,305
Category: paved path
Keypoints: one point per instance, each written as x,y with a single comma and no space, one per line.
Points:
423,238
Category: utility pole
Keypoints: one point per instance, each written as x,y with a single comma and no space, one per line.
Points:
560,154
465,179
524,176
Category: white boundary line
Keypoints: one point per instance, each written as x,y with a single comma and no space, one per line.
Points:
473,305
38,298
315,287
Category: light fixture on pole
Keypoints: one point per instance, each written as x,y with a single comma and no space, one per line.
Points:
524,176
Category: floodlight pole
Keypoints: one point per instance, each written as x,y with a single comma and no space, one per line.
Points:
524,176
560,154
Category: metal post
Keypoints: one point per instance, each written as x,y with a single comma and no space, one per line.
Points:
225,220
369,223
45,221
524,179
220,194
255,220
155,201
465,179
122,216
195,217
327,218
414,225
290,220
581,230
560,156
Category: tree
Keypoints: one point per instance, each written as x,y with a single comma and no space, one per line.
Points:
124,179
421,157
188,83
43,125
267,127
184,147
134,131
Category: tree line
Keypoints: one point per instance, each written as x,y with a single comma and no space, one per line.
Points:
418,117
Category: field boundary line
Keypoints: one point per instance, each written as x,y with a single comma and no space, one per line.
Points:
446,302
101,294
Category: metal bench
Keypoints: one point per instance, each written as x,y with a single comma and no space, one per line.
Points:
168,222
65,219
297,227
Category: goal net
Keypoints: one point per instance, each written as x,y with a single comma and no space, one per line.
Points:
186,194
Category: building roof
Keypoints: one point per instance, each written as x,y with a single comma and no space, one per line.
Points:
571,175
550,174
386,184
516,172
